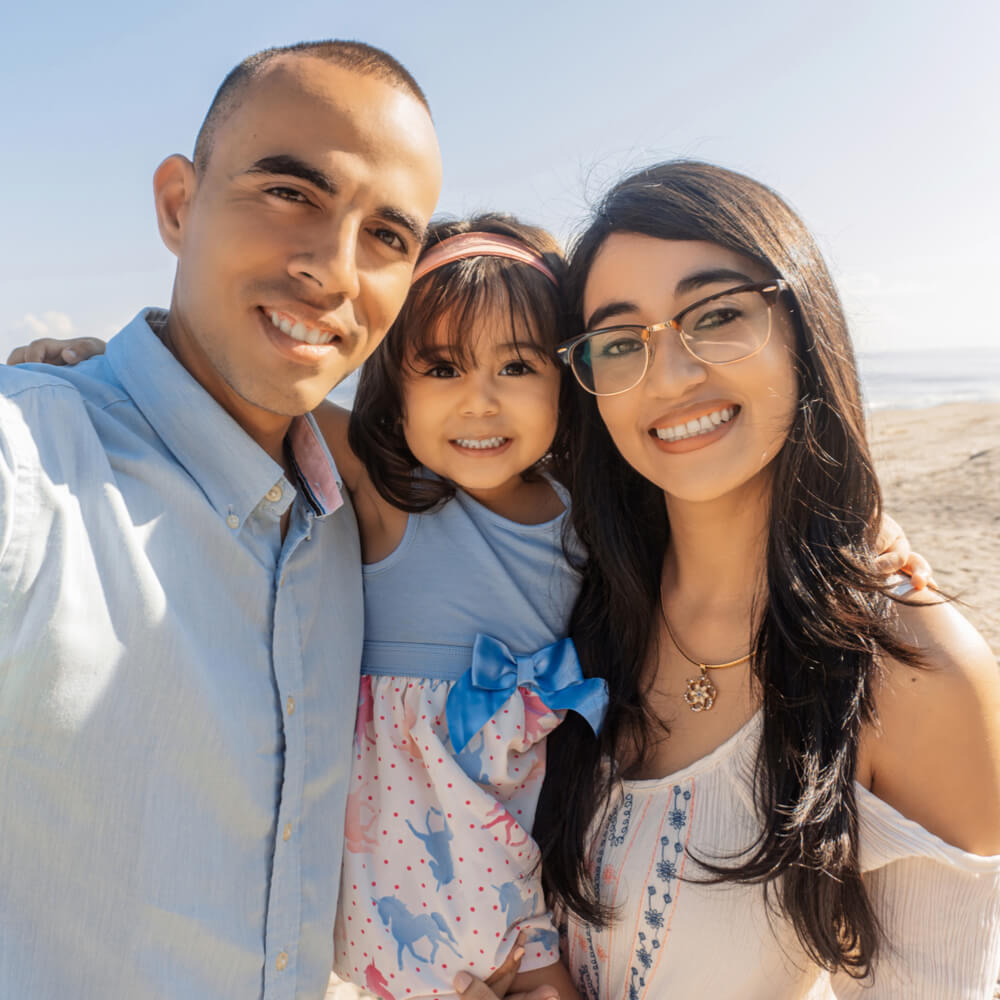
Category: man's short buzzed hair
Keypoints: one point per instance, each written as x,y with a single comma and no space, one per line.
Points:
357,56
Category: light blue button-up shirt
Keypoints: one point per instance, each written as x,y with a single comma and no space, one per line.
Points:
177,689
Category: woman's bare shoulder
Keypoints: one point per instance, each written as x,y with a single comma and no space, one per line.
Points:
934,753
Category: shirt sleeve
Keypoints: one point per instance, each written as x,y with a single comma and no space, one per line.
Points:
939,908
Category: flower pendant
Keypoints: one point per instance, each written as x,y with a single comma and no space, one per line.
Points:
701,692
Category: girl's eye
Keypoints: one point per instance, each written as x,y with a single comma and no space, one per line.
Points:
288,194
442,370
517,368
390,238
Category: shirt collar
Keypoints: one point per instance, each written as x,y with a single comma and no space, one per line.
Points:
234,472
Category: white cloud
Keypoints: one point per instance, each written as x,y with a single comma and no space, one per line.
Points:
49,324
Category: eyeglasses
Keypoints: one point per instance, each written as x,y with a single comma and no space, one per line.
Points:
721,329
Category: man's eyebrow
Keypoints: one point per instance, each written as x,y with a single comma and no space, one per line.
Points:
692,282
400,218
292,166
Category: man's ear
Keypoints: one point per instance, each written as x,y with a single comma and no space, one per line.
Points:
174,185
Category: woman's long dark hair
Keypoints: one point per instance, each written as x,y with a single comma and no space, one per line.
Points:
824,621
461,295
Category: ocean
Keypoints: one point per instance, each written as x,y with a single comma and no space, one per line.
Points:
916,379
892,379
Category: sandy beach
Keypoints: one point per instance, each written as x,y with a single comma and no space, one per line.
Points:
940,474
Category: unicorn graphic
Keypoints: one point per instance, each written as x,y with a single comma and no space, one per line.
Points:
407,928
470,759
436,842
359,836
498,814
376,983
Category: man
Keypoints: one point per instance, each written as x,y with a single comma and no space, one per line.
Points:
180,594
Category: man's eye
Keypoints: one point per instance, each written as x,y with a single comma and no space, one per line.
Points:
288,194
390,238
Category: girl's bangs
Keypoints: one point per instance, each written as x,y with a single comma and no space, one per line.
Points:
448,318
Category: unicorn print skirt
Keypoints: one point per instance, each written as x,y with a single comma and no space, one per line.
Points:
440,871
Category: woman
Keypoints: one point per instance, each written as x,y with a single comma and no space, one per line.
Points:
796,792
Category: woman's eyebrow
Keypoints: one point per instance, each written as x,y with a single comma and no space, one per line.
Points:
598,316
714,276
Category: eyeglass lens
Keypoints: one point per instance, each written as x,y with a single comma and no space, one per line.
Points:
727,328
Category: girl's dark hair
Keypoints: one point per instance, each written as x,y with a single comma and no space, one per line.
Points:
455,301
825,619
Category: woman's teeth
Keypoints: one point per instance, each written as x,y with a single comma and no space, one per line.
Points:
298,330
493,442
701,425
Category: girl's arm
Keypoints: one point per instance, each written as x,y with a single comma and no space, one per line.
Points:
382,525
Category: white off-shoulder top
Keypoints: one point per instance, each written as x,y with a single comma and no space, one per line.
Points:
939,906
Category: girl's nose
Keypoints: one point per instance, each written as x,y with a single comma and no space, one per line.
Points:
480,398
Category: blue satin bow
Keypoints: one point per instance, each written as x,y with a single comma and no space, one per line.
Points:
496,673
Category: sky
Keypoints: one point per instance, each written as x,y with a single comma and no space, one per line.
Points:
876,120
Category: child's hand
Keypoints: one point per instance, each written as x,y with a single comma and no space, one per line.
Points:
895,555
50,351
470,988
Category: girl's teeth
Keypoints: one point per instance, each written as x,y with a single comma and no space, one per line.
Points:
285,326
692,428
493,442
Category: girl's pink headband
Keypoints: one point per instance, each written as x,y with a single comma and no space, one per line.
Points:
479,245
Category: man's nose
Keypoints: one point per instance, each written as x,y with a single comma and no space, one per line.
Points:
330,263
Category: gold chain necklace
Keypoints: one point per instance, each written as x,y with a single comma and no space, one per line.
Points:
701,692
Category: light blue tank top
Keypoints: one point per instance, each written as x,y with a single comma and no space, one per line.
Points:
461,570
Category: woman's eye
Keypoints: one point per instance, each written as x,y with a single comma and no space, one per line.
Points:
719,316
288,194
621,346
390,238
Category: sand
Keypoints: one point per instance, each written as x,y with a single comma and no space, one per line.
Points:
940,474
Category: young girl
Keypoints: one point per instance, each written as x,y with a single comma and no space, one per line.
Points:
454,429
454,440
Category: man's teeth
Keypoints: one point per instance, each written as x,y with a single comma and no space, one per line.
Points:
701,425
493,442
299,331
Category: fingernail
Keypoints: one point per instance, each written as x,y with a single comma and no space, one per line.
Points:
518,954
69,354
462,982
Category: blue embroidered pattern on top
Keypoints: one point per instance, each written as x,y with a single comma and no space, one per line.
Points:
660,895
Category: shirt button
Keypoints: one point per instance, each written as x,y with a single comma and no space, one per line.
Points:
287,833
290,705
281,963
233,521
273,494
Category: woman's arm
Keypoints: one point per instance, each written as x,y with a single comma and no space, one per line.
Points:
930,832
934,754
